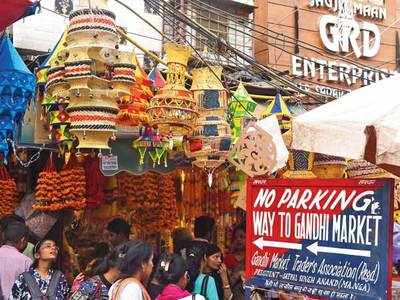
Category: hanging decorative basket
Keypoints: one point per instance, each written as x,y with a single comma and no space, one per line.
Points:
173,109
94,74
211,140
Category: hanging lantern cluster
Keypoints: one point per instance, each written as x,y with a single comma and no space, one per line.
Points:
211,140
93,75
17,86
173,109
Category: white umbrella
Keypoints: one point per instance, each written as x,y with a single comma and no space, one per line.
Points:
338,128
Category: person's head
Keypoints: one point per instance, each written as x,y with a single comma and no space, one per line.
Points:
239,238
136,260
118,231
96,258
212,258
16,235
173,270
204,227
180,238
109,264
45,251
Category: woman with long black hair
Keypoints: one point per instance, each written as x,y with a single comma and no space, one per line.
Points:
42,281
136,265
212,281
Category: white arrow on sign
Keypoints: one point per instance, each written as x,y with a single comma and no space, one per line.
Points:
315,248
260,243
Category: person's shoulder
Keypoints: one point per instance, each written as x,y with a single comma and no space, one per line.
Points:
131,291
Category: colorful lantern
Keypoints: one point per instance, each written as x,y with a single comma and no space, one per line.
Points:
96,72
173,109
241,107
17,86
279,108
211,140
132,108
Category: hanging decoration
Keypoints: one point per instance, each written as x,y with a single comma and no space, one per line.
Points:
95,182
152,143
279,108
48,189
211,140
254,152
132,108
240,109
151,201
92,75
173,109
8,191
73,185
156,78
17,86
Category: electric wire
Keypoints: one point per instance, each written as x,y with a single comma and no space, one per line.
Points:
220,43
288,52
291,40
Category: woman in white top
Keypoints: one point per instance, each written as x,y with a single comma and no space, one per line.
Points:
136,265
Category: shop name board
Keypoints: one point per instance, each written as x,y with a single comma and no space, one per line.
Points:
322,89
374,9
336,72
347,40
322,238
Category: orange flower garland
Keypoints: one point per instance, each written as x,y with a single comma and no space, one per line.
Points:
151,198
8,192
73,185
48,195
57,191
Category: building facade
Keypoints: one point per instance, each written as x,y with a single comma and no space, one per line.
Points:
230,20
311,41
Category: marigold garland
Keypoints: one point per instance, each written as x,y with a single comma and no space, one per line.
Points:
8,192
48,193
151,197
65,190
73,184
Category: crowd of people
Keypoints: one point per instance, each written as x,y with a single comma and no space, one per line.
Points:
121,268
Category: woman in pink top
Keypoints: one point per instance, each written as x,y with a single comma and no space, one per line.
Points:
174,274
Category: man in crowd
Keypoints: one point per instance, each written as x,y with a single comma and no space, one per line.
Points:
118,231
12,261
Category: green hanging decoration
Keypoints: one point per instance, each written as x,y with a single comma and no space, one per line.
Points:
240,108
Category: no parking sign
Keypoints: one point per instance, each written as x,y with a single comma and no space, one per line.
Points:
330,239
